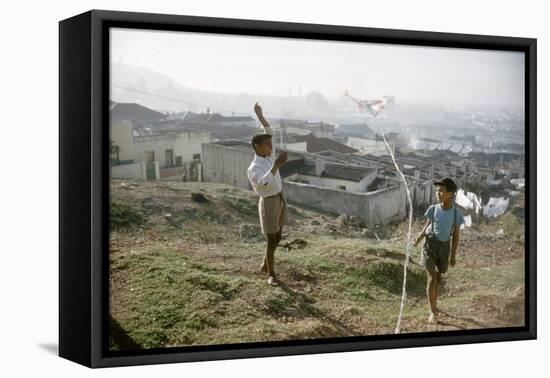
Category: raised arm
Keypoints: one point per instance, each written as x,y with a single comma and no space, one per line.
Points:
267,129
260,115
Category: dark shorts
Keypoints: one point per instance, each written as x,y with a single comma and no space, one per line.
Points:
435,255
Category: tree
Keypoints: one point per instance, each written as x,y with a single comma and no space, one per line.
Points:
115,150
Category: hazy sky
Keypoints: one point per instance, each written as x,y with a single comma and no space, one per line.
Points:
269,66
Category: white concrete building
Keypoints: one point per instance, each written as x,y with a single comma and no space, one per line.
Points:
135,135
335,176
168,148
369,146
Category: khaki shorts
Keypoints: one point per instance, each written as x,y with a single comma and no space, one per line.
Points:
435,255
273,214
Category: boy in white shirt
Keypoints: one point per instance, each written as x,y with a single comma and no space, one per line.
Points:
264,176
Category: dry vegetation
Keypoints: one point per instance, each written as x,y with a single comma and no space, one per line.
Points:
184,272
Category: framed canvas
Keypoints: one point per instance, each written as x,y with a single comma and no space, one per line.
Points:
236,188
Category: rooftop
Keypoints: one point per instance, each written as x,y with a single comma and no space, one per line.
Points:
209,118
247,147
133,112
315,144
331,170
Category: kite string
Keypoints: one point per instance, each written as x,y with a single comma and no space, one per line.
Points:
408,243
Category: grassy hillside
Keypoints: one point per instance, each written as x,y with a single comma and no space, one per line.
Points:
184,272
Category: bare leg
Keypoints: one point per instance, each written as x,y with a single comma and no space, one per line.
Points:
438,283
270,256
264,266
431,292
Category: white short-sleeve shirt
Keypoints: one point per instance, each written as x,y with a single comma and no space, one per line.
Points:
263,182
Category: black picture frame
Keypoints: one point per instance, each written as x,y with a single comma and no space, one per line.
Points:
84,186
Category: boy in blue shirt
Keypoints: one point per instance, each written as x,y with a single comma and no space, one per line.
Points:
442,233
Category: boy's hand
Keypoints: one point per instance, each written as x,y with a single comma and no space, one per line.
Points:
418,240
452,262
282,158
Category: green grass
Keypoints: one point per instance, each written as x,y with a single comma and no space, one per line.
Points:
286,302
505,277
512,225
123,216
243,206
195,280
166,292
383,275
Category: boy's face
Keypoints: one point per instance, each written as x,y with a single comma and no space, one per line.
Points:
264,148
442,194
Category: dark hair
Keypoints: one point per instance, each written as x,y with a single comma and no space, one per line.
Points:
448,184
259,139
447,189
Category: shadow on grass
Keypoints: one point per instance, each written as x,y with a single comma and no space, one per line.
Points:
342,329
458,321
396,256
119,337
385,275
293,302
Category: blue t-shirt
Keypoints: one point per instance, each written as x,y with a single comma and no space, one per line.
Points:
443,221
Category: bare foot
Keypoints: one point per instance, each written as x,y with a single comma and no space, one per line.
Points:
272,281
433,318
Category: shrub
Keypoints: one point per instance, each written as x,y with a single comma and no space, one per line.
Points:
125,216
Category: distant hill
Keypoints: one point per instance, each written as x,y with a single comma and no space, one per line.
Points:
154,90
162,93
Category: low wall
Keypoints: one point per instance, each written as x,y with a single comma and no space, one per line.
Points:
129,171
189,171
379,207
423,194
225,164
172,172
